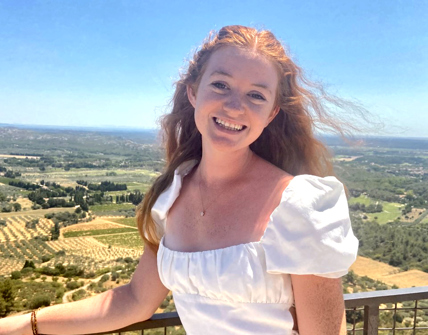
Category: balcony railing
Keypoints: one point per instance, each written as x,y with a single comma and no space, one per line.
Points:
368,313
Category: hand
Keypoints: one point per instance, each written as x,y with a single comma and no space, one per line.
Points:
16,325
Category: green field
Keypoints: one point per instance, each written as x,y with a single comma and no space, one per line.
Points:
131,240
111,207
362,199
425,220
132,222
5,180
97,232
391,210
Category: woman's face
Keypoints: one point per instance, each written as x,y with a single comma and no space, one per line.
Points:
235,98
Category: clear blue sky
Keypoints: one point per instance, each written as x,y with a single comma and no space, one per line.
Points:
104,63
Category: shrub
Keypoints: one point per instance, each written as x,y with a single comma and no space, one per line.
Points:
16,275
78,295
26,271
104,278
114,276
73,285
29,264
73,271
90,274
46,258
50,271
40,301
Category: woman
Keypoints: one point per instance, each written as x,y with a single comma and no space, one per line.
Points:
242,225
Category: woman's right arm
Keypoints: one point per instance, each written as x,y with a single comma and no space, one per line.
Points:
113,309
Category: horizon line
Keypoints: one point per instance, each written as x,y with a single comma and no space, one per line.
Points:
130,128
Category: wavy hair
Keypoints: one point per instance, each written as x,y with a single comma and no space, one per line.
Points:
287,142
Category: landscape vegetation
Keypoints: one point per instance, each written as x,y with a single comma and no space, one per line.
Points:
68,199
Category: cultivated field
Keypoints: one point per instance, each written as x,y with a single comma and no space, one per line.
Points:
389,274
76,246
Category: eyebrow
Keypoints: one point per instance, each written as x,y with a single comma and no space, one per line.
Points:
224,73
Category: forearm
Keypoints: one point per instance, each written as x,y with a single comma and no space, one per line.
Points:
107,311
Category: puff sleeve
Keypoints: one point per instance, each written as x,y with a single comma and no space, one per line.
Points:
310,231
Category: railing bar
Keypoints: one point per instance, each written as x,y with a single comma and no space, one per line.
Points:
394,317
354,320
414,317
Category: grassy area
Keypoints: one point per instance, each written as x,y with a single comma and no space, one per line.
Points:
97,232
143,187
131,240
362,199
111,207
132,222
5,180
391,211
425,220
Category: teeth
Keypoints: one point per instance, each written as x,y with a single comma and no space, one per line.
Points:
228,125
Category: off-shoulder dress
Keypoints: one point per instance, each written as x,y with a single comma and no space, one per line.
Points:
246,288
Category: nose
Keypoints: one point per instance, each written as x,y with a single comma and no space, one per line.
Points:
234,103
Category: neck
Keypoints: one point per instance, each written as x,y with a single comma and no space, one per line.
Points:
218,168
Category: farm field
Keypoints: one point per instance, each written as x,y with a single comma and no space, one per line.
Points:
132,222
389,274
19,243
112,209
93,232
96,224
130,240
68,178
36,213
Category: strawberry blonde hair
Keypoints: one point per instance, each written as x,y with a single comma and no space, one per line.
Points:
287,142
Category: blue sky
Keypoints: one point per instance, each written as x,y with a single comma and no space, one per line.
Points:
113,63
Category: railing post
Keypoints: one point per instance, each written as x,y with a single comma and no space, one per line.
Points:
371,319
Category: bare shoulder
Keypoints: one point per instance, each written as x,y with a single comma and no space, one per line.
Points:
270,173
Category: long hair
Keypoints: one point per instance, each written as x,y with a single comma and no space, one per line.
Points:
287,142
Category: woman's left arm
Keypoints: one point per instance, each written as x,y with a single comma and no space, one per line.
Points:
319,303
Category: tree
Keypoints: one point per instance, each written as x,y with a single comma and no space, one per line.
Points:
17,207
7,296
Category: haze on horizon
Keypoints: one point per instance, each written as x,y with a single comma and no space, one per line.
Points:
102,63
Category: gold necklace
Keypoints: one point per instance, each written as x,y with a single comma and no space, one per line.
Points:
204,209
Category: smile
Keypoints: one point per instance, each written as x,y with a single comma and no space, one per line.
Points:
228,125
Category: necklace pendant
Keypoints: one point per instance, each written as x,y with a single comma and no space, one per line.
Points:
202,213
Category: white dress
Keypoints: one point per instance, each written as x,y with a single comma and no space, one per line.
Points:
246,288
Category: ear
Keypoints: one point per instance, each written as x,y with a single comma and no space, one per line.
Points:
273,114
191,96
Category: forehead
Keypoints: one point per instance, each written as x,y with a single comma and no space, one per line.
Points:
242,64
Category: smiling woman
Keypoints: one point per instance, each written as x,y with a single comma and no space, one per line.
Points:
235,98
247,226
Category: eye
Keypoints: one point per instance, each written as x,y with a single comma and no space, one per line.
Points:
257,96
219,85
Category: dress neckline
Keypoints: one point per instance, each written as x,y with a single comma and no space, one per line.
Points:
240,245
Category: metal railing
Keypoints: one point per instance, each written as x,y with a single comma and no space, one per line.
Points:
368,313
379,311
